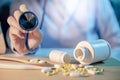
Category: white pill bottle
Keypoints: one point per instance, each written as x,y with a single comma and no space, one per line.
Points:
91,52
59,56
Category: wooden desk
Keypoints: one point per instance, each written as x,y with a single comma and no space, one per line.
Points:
111,67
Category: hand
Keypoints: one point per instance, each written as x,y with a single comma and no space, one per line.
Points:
16,33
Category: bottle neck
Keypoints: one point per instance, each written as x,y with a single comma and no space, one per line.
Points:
83,55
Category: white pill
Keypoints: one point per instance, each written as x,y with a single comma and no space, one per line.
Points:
89,66
74,66
92,72
75,74
34,60
57,65
42,62
46,69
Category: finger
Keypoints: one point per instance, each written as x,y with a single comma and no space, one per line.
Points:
35,38
16,32
12,22
23,8
17,14
37,33
17,43
19,46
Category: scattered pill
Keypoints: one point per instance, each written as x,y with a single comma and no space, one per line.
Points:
75,74
92,72
89,66
102,70
95,69
74,66
46,69
72,70
57,65
66,74
53,72
48,74
42,62
34,60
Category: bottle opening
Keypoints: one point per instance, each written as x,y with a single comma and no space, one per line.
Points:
83,55
79,54
66,58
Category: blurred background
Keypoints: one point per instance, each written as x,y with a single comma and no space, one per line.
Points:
5,7
4,13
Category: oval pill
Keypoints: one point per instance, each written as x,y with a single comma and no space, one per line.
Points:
42,62
91,72
74,74
88,66
35,60
46,69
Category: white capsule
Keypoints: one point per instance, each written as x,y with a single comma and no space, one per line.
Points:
42,62
34,60
57,65
88,66
75,74
46,69
92,72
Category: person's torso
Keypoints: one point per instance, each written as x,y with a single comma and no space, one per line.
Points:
67,22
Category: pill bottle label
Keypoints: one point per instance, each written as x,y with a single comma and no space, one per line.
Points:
59,56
